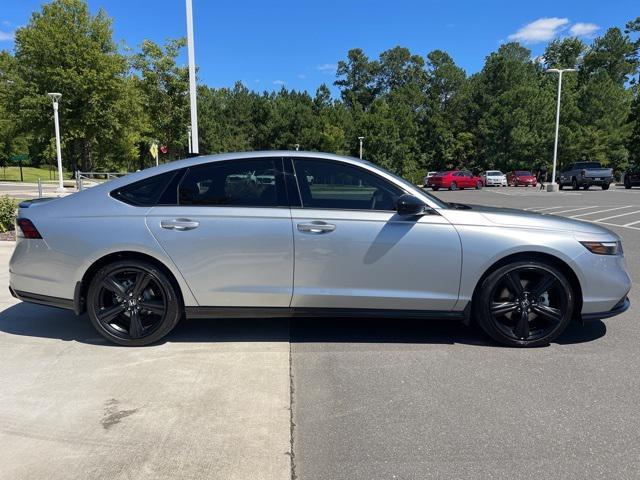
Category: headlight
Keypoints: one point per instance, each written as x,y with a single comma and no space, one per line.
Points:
604,248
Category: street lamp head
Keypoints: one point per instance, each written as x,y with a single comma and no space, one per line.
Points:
54,96
360,138
560,70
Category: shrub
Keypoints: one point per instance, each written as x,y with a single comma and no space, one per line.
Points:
8,211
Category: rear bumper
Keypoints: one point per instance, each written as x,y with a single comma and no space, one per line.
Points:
622,306
593,181
67,304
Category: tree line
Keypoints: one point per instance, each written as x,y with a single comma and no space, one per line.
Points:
416,113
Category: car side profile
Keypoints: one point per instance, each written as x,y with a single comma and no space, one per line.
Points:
264,234
454,180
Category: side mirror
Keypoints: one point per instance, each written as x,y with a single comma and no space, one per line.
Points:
408,205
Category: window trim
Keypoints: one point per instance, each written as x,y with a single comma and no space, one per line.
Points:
357,167
279,173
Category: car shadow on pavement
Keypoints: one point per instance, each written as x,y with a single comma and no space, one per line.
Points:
45,322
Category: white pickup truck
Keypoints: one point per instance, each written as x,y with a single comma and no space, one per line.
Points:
585,174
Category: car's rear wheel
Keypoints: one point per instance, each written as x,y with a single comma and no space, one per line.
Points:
574,184
435,189
524,304
453,186
478,185
133,303
605,186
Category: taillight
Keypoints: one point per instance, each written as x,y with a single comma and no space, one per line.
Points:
29,230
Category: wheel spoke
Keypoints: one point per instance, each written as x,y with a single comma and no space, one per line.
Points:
135,325
552,314
111,284
140,284
522,327
543,285
108,314
153,306
500,308
514,285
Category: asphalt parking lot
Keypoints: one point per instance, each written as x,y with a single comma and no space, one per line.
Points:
328,399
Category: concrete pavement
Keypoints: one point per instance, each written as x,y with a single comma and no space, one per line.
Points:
210,403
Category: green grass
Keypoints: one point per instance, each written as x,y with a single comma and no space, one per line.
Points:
30,174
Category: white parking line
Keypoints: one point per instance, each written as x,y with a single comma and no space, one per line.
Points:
616,225
544,209
632,223
599,220
600,211
574,209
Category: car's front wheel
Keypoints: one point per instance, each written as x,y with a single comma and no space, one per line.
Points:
527,303
133,303
453,186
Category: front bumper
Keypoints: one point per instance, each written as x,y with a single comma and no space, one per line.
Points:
621,307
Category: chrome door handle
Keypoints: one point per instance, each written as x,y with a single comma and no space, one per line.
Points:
180,224
316,227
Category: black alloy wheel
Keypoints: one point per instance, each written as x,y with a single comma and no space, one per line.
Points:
133,303
525,304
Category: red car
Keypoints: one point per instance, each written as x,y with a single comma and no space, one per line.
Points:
521,177
454,180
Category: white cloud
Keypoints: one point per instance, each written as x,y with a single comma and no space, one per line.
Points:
6,23
327,68
541,30
583,29
278,82
302,76
6,36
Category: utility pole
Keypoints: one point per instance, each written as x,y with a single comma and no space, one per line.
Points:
192,80
361,139
55,97
553,186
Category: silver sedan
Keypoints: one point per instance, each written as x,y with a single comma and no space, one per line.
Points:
250,235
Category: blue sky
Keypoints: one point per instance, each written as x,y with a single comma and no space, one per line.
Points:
297,42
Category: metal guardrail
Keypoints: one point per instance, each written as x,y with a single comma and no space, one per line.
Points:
95,177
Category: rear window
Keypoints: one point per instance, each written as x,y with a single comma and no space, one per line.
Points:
493,173
588,165
144,193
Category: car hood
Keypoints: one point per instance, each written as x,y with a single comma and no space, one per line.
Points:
511,217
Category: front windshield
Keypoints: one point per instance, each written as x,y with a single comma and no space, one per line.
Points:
435,200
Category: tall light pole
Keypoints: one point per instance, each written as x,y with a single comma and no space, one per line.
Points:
192,80
55,97
361,139
189,137
553,186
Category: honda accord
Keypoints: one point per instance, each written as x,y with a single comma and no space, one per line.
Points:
276,234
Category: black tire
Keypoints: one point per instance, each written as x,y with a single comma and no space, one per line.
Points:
478,185
605,186
574,184
453,186
560,186
586,186
627,183
128,289
499,304
435,189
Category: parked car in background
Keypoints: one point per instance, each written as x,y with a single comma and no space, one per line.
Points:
455,180
427,177
521,177
141,252
585,174
494,178
632,177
